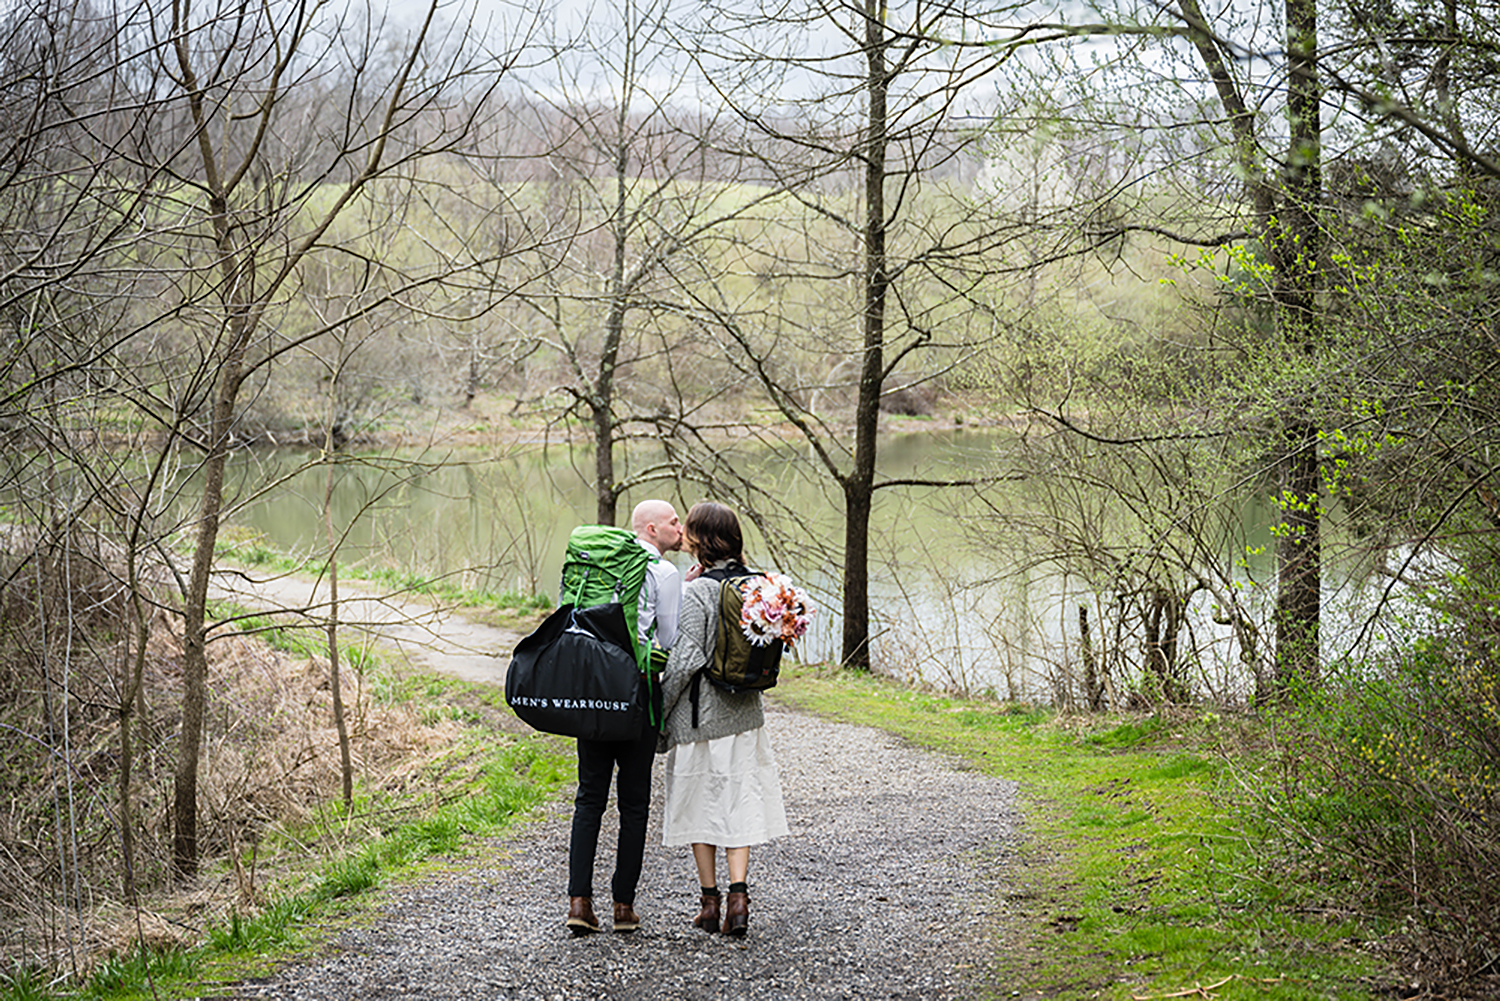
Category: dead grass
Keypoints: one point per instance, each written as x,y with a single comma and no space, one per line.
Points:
270,772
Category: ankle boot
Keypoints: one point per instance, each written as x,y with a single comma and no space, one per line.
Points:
581,920
736,914
626,919
708,917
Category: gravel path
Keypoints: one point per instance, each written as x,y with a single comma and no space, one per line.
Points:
885,888
888,885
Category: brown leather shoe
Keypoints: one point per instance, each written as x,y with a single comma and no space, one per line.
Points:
625,918
581,920
708,918
736,914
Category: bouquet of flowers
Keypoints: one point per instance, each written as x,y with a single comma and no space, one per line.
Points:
774,609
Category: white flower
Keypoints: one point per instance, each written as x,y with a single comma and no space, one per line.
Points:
774,608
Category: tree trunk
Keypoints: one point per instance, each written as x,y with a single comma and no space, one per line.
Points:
856,649
133,671
1093,689
1165,618
471,384
195,634
602,404
1299,564
346,762
1299,250
859,484
605,495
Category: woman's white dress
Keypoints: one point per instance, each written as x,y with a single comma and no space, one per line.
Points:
723,792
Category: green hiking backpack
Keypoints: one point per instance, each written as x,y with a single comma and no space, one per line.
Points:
604,565
607,565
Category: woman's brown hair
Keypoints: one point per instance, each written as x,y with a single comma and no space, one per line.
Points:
713,533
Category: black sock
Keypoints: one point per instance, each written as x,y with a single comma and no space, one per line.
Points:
709,891
739,887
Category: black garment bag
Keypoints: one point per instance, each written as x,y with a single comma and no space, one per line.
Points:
577,676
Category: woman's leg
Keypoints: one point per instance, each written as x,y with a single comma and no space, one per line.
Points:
737,903
739,864
706,857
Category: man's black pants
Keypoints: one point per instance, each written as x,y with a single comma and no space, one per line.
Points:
597,760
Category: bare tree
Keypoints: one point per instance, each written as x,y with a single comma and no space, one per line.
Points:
189,170
867,127
652,182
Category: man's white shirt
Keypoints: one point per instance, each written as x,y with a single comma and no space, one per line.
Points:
661,599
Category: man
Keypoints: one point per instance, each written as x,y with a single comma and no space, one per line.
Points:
659,531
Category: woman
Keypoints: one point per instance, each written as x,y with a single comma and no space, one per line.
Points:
722,789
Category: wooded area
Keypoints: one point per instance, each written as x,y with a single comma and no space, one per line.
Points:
685,223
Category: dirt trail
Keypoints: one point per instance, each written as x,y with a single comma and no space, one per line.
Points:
428,635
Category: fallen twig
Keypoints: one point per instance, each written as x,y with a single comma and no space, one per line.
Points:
1200,990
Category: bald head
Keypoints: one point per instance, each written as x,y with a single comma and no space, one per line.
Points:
656,522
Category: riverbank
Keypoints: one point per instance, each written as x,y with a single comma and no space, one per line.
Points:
494,420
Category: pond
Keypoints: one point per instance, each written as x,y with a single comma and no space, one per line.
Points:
962,594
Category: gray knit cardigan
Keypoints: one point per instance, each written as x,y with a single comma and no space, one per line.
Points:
720,714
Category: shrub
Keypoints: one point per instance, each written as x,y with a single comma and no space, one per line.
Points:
1389,802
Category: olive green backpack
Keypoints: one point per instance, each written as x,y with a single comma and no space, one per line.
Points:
737,664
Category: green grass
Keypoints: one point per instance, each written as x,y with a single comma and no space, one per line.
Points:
1130,880
24,983
133,975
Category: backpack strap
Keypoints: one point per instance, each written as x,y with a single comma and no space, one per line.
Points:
573,605
693,691
722,574
651,714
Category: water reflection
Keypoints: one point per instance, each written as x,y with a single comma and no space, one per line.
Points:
961,596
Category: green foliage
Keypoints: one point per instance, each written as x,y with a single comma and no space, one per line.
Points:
133,974
1136,883
275,926
1130,734
359,872
512,780
299,642
501,795
1387,797
24,983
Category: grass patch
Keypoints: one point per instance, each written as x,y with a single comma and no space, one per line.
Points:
24,983
1132,880
134,975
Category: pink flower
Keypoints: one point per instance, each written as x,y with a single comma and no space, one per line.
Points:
774,608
